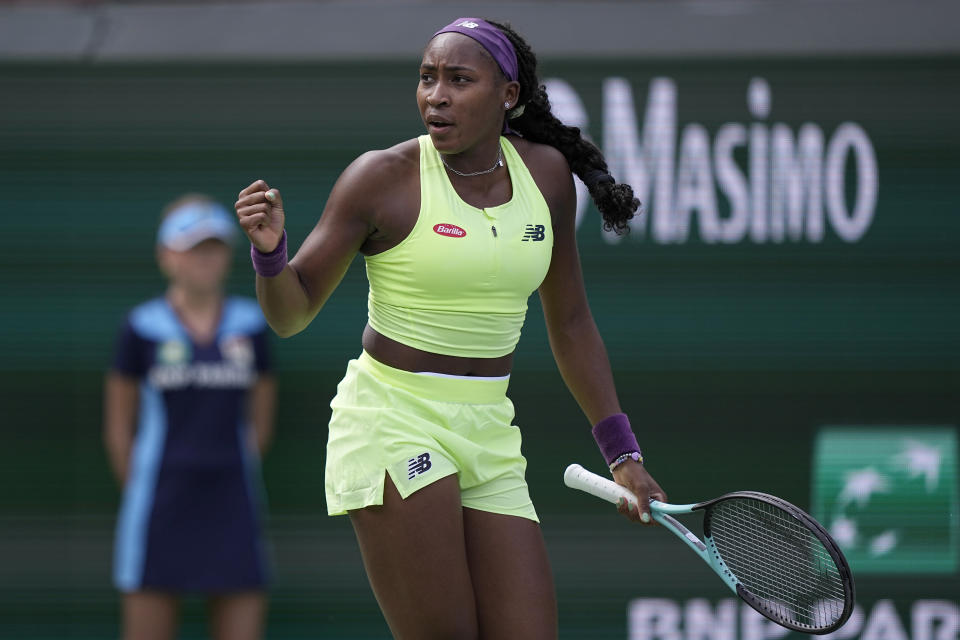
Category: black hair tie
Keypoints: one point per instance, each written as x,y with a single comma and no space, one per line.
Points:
595,177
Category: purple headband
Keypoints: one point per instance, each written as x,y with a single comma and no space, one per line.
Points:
490,38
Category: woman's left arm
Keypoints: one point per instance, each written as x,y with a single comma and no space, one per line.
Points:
575,340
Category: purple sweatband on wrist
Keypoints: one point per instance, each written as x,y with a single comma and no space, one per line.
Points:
270,264
615,437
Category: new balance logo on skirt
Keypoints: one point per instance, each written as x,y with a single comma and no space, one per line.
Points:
419,465
533,232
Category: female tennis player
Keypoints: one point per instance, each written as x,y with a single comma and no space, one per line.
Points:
457,227
188,412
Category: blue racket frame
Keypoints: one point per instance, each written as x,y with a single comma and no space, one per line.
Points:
706,548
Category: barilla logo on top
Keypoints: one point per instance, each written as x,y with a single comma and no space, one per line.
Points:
450,230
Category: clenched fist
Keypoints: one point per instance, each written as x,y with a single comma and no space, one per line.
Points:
260,212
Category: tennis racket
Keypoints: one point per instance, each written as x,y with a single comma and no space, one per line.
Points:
775,557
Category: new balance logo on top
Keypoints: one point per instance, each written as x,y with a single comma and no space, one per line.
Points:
419,465
533,232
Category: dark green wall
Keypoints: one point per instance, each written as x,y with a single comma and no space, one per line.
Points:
728,357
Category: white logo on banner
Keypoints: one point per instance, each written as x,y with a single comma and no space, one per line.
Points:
916,459
793,185
730,619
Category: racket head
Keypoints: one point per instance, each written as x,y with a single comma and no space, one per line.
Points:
788,567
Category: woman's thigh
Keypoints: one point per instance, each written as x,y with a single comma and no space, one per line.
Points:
238,616
416,561
511,576
150,615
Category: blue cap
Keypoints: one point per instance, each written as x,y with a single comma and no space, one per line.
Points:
189,225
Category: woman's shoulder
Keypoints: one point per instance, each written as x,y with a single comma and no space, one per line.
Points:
152,319
549,169
377,182
386,164
539,156
148,311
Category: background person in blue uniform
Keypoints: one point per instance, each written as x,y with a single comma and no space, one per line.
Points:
189,406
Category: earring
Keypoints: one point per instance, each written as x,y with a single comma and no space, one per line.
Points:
506,105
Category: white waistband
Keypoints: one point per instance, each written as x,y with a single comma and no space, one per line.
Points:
448,375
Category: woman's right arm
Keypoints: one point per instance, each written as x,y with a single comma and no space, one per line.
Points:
120,403
291,299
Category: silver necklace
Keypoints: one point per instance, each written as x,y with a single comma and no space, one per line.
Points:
498,163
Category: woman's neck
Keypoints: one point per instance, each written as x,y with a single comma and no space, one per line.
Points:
199,311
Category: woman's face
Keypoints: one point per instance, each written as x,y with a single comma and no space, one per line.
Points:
461,93
201,269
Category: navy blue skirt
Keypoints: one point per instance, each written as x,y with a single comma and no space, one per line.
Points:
191,530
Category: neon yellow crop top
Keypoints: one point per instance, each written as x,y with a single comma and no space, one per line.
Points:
458,284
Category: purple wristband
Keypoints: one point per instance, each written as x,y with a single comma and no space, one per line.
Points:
270,264
615,437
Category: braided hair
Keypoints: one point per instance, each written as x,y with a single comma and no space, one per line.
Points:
533,119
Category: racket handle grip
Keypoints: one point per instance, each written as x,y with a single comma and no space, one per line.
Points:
576,477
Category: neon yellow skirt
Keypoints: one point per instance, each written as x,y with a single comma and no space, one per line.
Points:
419,428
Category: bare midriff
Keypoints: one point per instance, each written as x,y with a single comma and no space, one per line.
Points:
400,356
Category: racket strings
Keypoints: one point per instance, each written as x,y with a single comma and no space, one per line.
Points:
778,560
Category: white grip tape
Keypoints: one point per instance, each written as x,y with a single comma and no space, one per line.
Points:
576,477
